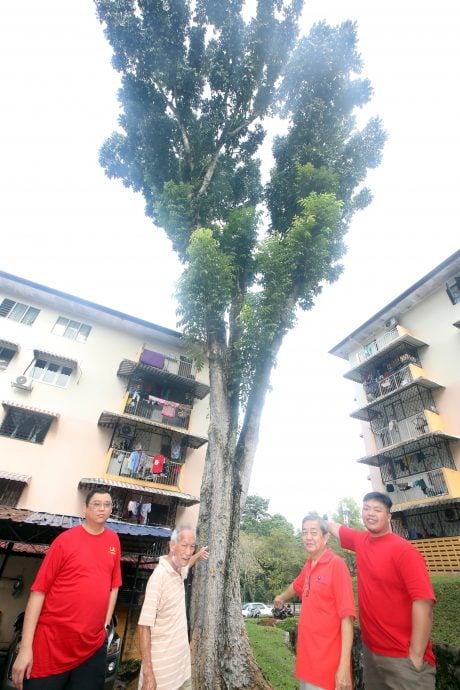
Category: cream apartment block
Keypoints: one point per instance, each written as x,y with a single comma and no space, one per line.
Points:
405,362
92,397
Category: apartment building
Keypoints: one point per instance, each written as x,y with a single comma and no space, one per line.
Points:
91,397
405,362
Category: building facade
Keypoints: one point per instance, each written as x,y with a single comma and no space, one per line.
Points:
405,362
91,397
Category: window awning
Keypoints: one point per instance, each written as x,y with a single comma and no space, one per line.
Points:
111,419
129,368
184,499
28,408
15,477
46,354
9,344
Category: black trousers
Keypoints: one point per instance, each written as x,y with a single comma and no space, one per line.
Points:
90,675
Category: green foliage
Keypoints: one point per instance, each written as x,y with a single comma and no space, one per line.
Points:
347,513
205,285
198,80
272,554
255,515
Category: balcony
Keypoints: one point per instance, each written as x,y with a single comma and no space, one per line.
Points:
395,432
418,487
167,369
375,388
159,410
146,468
397,339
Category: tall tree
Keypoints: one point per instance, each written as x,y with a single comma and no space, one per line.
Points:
199,79
347,513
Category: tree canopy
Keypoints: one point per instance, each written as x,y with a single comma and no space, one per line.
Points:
200,83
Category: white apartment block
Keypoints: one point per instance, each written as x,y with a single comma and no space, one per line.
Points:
405,362
91,397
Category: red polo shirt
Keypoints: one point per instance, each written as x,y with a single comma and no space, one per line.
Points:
327,597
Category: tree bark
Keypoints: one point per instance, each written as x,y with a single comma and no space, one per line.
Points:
221,654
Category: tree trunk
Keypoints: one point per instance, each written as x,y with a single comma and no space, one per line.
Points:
222,658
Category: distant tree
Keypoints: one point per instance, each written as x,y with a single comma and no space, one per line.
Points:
255,515
347,513
272,552
251,572
199,80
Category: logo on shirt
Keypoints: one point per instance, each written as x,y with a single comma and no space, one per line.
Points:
112,550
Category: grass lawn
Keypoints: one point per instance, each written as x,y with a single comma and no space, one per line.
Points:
273,657
446,616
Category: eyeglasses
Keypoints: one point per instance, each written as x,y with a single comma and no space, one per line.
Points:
99,504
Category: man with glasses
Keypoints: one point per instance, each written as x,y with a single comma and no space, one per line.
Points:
72,599
325,630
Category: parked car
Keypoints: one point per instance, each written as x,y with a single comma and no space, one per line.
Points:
111,666
254,609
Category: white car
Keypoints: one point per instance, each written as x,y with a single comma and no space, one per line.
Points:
254,609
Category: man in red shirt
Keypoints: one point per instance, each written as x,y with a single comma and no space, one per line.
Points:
395,601
325,630
72,599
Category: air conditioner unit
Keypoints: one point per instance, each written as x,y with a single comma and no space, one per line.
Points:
391,323
24,382
127,430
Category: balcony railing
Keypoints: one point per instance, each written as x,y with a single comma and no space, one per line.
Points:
378,344
393,382
181,366
406,429
159,410
417,487
144,467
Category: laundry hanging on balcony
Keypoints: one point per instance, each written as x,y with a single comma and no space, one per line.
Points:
158,464
153,359
134,460
144,510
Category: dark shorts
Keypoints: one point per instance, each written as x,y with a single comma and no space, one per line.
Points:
396,673
90,675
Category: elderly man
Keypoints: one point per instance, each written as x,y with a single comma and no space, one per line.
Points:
163,624
325,631
395,601
63,644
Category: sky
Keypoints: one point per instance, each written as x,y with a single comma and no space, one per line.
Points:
65,225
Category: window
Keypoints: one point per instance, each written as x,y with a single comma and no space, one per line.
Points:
18,312
6,355
25,425
72,329
51,372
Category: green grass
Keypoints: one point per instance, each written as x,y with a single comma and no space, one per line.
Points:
447,611
273,657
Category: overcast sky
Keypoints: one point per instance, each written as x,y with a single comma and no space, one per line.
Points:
65,225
